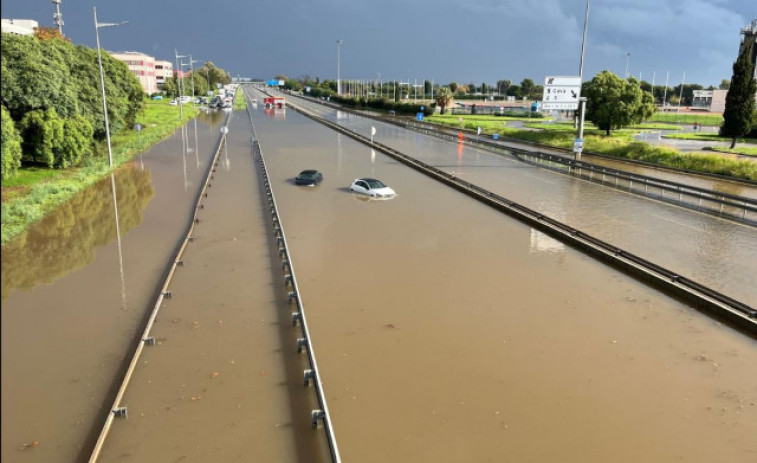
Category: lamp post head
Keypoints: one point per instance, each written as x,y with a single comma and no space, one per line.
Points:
99,25
339,41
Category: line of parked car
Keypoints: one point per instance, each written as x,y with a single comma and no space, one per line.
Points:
368,186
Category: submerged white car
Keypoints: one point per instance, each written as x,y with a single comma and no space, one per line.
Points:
372,187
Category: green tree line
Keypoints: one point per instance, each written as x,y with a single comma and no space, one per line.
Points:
52,101
200,80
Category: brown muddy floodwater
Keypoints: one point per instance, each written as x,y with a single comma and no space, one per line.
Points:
712,251
224,381
448,332
71,307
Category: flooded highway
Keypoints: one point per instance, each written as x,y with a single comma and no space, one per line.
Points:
224,382
445,330
449,332
710,250
70,310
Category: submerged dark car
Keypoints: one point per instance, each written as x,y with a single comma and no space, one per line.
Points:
309,177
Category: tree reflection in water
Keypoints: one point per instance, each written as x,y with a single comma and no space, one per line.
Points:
66,239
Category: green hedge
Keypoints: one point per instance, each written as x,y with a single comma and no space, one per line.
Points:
385,105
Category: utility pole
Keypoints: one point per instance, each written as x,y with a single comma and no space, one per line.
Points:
58,16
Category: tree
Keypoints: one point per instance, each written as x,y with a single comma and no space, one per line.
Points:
214,74
42,133
427,90
47,33
646,108
10,143
443,98
725,84
291,84
738,117
503,86
453,86
613,102
527,88
484,88
75,144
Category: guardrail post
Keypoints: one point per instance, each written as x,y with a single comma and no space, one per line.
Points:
308,375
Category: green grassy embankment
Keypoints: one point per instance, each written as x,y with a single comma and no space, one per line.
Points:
619,144
34,192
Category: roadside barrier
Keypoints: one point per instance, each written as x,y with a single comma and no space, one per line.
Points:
311,374
118,410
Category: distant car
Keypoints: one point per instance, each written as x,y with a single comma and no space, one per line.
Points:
185,99
173,102
309,177
372,187
157,97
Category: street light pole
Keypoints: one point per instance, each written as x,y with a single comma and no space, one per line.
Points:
628,56
102,79
192,70
577,152
178,82
665,93
339,43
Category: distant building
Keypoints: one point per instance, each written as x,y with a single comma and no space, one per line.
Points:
19,26
163,70
709,100
142,66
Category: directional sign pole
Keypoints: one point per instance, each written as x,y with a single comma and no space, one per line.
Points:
577,152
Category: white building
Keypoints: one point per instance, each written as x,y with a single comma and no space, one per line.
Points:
19,26
163,70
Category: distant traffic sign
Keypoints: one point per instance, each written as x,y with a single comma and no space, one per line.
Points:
578,145
561,93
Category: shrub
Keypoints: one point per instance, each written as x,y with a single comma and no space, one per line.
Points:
42,132
10,143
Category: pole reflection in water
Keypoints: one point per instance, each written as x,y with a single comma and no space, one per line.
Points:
226,162
184,144
373,161
339,153
118,240
197,148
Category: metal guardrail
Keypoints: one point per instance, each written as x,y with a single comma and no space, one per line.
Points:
290,279
734,312
117,409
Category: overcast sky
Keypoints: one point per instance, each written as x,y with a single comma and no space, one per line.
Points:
444,40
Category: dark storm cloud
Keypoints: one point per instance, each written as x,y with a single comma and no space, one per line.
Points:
466,41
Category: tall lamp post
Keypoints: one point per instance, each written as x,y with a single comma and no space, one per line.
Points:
178,82
339,43
102,79
576,148
192,70
628,57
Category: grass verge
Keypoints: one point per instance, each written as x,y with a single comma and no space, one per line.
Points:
34,192
619,144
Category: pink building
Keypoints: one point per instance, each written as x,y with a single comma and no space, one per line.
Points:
142,66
